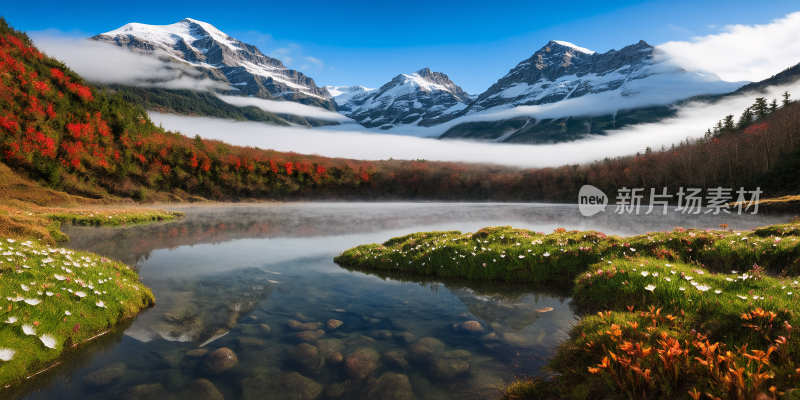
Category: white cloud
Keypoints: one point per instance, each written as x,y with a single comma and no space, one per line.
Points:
102,63
354,141
285,107
742,52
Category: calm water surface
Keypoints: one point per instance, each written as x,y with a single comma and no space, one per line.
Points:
259,281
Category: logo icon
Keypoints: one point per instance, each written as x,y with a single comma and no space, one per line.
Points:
591,200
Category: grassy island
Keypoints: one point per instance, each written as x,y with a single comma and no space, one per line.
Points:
683,314
54,299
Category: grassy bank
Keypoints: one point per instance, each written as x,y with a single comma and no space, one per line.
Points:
681,314
505,253
55,299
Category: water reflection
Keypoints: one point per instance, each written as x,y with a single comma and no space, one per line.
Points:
251,306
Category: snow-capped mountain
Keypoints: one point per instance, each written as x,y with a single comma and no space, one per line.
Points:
539,99
423,98
342,95
219,57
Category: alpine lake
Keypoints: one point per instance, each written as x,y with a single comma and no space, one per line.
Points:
250,305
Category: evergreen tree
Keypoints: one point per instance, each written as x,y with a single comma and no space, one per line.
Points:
786,99
746,119
759,108
773,106
728,124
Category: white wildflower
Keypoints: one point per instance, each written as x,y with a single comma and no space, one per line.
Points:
33,302
49,341
6,354
11,320
650,287
28,329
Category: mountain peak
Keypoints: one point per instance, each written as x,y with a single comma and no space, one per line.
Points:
424,72
221,58
570,45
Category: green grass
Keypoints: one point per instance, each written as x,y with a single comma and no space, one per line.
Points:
52,277
111,217
744,301
505,253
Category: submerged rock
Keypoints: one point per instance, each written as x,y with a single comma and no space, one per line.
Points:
265,330
334,323
470,326
335,359
405,337
299,386
492,337
359,340
457,354
422,350
307,357
151,391
337,389
201,389
515,340
221,360
361,363
197,352
382,334
327,347
396,358
443,368
173,358
104,376
309,336
289,386
308,326
390,386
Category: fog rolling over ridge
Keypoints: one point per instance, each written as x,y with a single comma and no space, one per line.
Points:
353,141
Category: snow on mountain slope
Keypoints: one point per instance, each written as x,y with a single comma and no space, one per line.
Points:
219,57
421,98
629,86
561,70
342,95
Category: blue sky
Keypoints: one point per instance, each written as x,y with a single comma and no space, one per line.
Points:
369,42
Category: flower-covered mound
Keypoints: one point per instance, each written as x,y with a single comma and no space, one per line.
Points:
505,253
52,299
681,314
694,334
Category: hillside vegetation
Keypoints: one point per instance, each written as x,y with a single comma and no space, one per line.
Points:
72,137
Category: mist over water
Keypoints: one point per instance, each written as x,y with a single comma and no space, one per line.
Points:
223,272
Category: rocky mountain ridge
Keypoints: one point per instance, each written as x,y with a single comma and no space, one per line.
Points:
422,98
219,57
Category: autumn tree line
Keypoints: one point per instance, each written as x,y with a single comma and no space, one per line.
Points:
84,140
